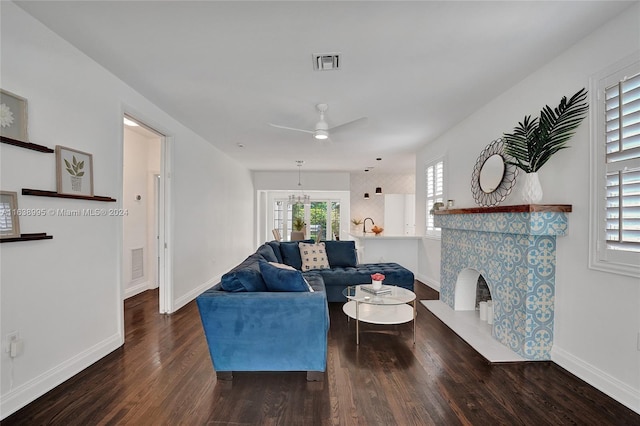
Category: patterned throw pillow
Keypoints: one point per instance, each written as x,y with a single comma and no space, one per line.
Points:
314,256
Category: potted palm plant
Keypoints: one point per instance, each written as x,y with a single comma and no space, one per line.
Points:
534,141
298,225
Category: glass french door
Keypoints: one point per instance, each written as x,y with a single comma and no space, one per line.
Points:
321,218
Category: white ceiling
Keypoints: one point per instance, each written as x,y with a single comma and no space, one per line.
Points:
227,69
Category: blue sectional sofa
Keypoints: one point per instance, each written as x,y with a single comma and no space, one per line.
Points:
268,315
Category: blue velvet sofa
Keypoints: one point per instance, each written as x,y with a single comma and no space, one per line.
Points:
262,317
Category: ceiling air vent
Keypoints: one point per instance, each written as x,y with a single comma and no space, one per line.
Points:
326,61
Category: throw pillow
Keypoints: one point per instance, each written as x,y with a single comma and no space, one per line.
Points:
275,245
291,253
279,277
245,277
341,253
313,256
266,251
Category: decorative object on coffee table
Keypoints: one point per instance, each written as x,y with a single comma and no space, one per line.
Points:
376,281
534,141
74,171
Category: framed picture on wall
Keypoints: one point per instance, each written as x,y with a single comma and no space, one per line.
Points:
74,172
13,116
9,225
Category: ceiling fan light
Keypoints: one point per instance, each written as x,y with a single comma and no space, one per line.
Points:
321,134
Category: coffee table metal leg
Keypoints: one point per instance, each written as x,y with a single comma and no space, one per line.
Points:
357,323
414,321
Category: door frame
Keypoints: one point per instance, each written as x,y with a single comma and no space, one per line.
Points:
165,282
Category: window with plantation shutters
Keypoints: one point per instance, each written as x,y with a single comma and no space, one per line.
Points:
622,111
615,177
434,174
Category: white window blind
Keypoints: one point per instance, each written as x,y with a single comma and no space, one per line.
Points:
434,174
622,129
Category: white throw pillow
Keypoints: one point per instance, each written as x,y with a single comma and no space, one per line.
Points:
314,256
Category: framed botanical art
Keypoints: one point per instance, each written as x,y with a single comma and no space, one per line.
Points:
13,116
9,225
74,172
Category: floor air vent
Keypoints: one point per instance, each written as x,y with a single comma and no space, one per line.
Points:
137,263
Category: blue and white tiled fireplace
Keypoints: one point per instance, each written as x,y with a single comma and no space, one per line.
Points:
514,249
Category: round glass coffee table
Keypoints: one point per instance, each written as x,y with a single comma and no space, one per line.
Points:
387,308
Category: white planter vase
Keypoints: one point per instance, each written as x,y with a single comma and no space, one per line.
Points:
531,189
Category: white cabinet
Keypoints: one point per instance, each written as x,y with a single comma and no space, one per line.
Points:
399,214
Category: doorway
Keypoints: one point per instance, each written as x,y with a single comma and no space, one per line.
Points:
144,207
321,218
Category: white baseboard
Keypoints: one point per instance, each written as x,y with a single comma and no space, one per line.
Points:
428,281
597,378
183,300
137,289
22,395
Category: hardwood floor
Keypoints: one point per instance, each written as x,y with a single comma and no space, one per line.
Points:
163,375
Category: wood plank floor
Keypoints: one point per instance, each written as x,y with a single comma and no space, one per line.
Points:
163,376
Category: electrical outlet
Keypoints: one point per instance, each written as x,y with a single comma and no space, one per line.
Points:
14,336
17,346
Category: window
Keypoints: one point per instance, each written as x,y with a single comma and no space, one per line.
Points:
434,174
320,216
616,154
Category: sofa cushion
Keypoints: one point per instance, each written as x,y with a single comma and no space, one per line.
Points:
266,251
341,253
315,281
275,245
291,253
245,277
279,278
291,268
313,256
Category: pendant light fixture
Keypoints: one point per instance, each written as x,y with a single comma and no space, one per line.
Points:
301,198
379,188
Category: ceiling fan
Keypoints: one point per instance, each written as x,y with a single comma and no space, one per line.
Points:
322,129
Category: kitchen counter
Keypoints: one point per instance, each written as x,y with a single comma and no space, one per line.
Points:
401,249
371,235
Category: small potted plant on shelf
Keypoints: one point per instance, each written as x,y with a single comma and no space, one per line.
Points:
534,141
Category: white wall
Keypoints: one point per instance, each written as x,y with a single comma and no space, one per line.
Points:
597,314
64,296
311,181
